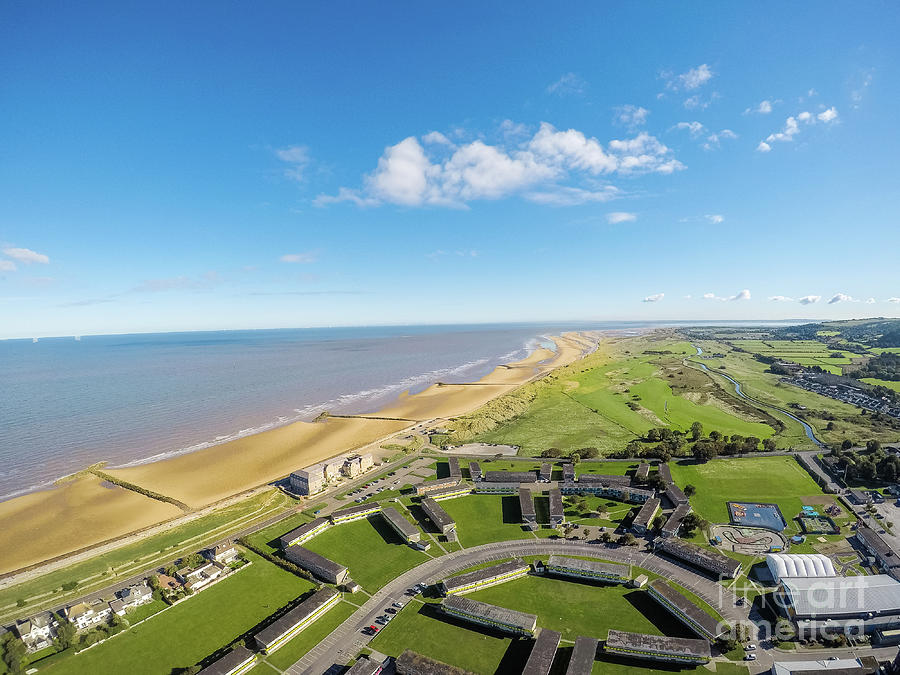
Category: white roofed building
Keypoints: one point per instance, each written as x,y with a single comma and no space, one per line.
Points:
799,565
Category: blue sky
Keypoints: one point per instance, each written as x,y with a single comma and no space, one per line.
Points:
231,165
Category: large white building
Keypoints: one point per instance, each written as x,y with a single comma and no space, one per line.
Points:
799,565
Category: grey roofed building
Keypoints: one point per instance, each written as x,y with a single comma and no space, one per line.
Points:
583,656
665,473
304,532
413,663
705,558
545,472
354,512
644,517
841,597
606,479
475,471
690,614
282,629
642,472
238,660
541,658
510,476
453,463
878,547
658,647
498,618
526,506
859,497
437,515
557,511
673,523
365,666
588,569
676,495
431,485
400,525
487,576
320,566
866,665
568,472
450,491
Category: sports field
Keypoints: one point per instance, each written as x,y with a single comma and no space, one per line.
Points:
192,630
370,549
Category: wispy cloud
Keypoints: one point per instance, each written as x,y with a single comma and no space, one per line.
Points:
780,298
690,80
793,126
26,256
870,301
7,266
764,108
309,293
631,116
714,218
656,297
695,129
297,158
809,299
620,217
740,295
300,258
894,300
569,84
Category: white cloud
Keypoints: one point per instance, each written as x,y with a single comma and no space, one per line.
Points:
7,266
764,108
696,103
302,258
568,84
631,116
840,297
809,299
780,298
692,79
894,300
297,156
857,94
715,218
792,127
26,255
763,147
620,217
870,301
512,129
740,295
714,140
693,128
436,137
407,175
828,115
656,297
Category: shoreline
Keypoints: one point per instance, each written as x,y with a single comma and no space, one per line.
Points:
80,511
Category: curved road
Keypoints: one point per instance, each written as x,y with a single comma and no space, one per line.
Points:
346,641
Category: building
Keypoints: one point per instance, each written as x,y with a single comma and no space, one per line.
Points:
117,607
594,570
541,658
709,560
866,665
684,610
429,486
546,472
135,595
37,632
619,491
510,476
412,663
798,565
352,513
676,495
673,522
84,615
861,604
450,492
643,521
332,468
475,471
318,565
224,554
455,472
486,487
365,666
408,532
606,479
308,481
236,662
352,467
581,662
859,497
201,576
279,632
664,473
497,618
304,533
526,507
642,472
568,473
877,547
557,511
684,651
438,517
483,578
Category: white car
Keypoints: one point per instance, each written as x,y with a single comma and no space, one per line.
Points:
750,648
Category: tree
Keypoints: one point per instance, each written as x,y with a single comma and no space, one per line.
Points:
589,453
14,652
689,490
846,444
65,634
692,522
715,435
626,540
696,431
605,537
171,570
587,533
873,446
658,522
551,452
193,560
153,582
575,458
703,452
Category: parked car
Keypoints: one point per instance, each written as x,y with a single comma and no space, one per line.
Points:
391,610
398,605
750,657
750,648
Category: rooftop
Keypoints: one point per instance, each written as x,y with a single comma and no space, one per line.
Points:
659,643
303,556
583,656
556,503
365,666
301,531
228,663
401,524
591,566
301,612
355,510
526,503
541,658
510,476
648,510
606,479
704,557
436,513
792,565
836,667
685,606
675,494
450,489
508,617
485,573
412,663
665,472
832,597
872,539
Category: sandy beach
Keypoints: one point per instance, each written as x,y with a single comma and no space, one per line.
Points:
83,512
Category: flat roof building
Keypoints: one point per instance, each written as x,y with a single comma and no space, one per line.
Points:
866,665
405,529
866,602
236,662
568,472
412,663
684,610
620,491
593,570
557,511
436,514
642,472
526,507
686,651
706,559
431,485
673,522
664,472
279,632
583,656
676,495
545,473
453,464
644,518
318,565
450,492
365,666
498,618
304,533
606,479
510,476
877,547
475,471
355,513
541,658
487,487
308,481
483,578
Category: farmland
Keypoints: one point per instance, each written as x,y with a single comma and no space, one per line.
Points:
803,352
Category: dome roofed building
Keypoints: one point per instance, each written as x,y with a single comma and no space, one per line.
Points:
799,565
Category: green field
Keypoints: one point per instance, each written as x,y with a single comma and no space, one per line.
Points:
884,383
192,630
481,519
311,636
370,549
778,480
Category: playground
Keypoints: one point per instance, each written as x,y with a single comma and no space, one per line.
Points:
747,540
813,522
766,516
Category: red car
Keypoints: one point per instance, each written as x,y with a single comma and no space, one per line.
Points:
374,629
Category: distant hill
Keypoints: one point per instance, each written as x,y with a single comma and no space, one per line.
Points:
877,332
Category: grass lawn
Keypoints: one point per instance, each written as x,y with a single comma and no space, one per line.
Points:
370,549
267,539
194,629
311,636
481,519
884,383
777,480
